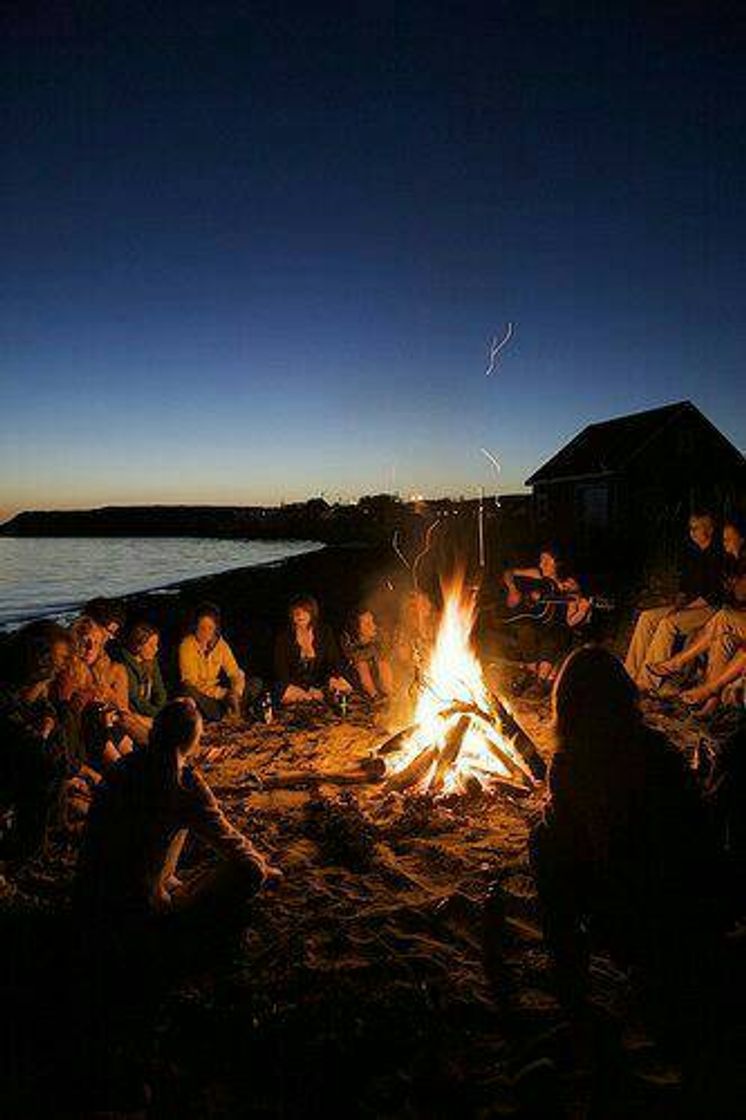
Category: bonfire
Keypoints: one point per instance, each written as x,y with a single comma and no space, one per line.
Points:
462,737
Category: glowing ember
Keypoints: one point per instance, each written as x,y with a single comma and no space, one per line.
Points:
457,740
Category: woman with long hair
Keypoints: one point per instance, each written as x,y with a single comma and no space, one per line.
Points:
307,658
139,822
92,692
624,851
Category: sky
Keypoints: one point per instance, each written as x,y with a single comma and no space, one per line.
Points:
257,252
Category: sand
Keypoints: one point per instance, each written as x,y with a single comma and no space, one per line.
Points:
363,985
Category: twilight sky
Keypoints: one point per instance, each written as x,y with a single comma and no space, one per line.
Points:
257,251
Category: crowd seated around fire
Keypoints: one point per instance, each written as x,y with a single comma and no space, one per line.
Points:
100,737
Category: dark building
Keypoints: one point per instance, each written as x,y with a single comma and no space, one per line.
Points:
635,479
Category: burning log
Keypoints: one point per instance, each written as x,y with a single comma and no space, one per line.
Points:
449,753
521,740
395,742
415,771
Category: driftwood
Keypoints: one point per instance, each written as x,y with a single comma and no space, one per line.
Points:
370,771
415,771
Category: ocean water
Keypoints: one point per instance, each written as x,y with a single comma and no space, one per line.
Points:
52,576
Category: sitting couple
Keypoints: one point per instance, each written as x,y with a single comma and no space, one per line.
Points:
709,615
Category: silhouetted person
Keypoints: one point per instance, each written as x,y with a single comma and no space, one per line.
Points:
624,854
137,827
138,927
33,759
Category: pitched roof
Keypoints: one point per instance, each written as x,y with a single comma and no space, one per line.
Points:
607,447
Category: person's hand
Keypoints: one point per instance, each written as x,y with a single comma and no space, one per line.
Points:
513,598
339,684
315,694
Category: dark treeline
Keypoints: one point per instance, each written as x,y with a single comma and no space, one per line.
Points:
373,519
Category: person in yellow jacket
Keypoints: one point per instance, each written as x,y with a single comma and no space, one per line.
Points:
208,670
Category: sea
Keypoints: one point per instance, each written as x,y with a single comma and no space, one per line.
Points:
51,577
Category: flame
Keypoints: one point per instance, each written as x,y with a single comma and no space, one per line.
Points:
453,689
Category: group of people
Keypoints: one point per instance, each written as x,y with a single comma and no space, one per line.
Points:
692,647
77,700
703,629
88,733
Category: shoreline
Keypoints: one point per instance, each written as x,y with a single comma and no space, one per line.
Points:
65,610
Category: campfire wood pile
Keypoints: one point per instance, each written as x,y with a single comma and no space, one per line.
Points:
463,738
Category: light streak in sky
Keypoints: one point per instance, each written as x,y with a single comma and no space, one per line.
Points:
492,459
495,348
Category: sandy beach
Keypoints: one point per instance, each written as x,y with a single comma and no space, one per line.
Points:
364,984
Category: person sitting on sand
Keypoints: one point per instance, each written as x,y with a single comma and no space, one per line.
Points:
624,852
146,690
549,609
142,813
93,691
722,640
208,670
415,634
306,658
701,590
33,757
366,649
